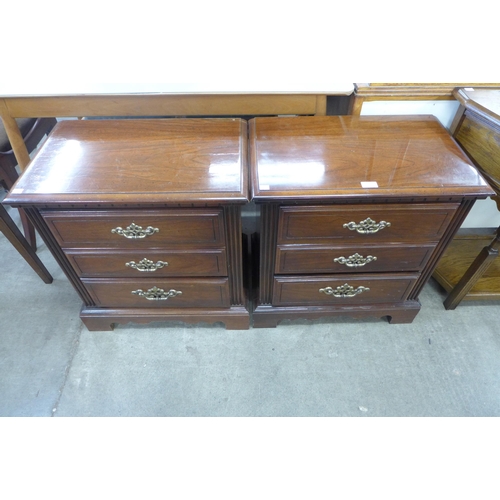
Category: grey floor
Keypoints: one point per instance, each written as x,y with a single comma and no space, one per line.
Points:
446,363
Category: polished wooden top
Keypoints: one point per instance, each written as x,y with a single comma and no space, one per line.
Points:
308,158
148,161
485,102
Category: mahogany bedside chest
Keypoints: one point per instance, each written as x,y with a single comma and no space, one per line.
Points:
355,213
143,216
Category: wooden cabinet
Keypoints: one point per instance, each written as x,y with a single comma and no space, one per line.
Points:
470,269
144,217
355,213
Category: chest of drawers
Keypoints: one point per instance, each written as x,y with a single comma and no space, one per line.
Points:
355,213
144,217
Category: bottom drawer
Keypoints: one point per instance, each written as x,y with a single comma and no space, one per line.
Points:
341,290
170,293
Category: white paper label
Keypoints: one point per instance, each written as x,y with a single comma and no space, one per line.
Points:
17,190
264,187
369,184
469,89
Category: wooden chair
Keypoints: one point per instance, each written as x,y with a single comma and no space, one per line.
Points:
32,130
12,233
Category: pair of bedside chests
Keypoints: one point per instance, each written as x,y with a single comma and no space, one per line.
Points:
145,215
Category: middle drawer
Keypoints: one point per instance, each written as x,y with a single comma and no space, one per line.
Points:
147,263
309,259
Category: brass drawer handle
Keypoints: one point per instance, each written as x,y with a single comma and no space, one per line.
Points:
367,226
156,293
344,291
146,265
355,260
135,232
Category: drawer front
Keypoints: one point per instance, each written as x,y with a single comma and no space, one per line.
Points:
343,290
292,259
137,229
384,223
159,293
147,263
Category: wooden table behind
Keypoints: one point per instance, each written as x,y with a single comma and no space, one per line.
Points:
470,270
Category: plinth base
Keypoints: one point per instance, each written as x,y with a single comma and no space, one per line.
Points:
102,319
265,316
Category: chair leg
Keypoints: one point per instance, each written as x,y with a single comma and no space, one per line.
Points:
29,230
476,270
9,177
12,233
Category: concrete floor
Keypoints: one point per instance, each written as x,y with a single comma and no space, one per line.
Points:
446,363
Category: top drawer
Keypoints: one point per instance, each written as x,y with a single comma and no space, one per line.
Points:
364,223
134,228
